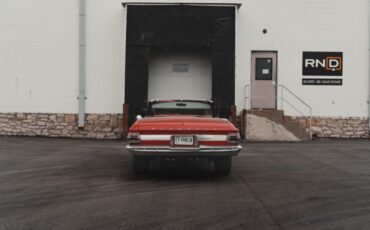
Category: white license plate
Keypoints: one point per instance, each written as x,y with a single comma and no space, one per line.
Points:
183,140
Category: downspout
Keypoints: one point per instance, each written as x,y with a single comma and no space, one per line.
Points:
82,65
368,102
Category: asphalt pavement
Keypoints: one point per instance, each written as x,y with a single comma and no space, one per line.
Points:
88,184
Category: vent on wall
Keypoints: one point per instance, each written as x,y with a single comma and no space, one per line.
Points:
182,68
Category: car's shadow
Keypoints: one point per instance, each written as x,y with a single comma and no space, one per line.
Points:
179,170
113,165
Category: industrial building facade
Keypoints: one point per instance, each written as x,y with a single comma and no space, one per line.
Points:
85,68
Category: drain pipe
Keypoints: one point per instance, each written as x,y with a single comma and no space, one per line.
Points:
368,102
82,65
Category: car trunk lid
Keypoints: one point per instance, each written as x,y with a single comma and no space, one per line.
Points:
184,125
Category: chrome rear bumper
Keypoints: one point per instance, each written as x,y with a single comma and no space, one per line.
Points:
201,151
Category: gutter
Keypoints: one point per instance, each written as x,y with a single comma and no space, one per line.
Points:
82,65
148,3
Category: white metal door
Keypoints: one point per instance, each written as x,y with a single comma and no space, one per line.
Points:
264,78
180,75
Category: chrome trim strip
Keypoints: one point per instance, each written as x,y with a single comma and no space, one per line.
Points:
212,137
155,137
201,137
183,151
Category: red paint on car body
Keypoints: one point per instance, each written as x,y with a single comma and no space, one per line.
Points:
183,125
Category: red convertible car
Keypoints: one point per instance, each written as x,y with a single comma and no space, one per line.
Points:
182,129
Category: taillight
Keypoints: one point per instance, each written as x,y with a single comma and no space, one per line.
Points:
134,138
233,138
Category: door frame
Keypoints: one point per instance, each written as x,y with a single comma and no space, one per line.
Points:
269,54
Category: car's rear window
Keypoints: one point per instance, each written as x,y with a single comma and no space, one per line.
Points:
182,107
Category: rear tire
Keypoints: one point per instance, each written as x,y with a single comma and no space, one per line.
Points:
223,165
140,165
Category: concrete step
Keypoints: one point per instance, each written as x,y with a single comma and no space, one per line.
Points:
273,125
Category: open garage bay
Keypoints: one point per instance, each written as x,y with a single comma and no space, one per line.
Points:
86,184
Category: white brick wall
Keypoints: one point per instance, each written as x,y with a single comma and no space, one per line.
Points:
39,52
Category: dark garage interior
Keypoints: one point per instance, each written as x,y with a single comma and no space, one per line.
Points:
168,27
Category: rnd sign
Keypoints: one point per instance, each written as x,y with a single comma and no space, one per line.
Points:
322,63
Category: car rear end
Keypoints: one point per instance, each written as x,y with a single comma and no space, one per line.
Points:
183,129
214,142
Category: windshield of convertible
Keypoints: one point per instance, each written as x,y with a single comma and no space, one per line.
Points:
181,108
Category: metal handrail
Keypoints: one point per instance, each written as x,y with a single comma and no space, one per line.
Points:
282,99
294,95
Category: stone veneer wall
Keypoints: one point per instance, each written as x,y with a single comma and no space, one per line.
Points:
97,126
347,127
110,126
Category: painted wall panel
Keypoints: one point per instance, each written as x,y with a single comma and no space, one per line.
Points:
38,70
39,52
312,25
